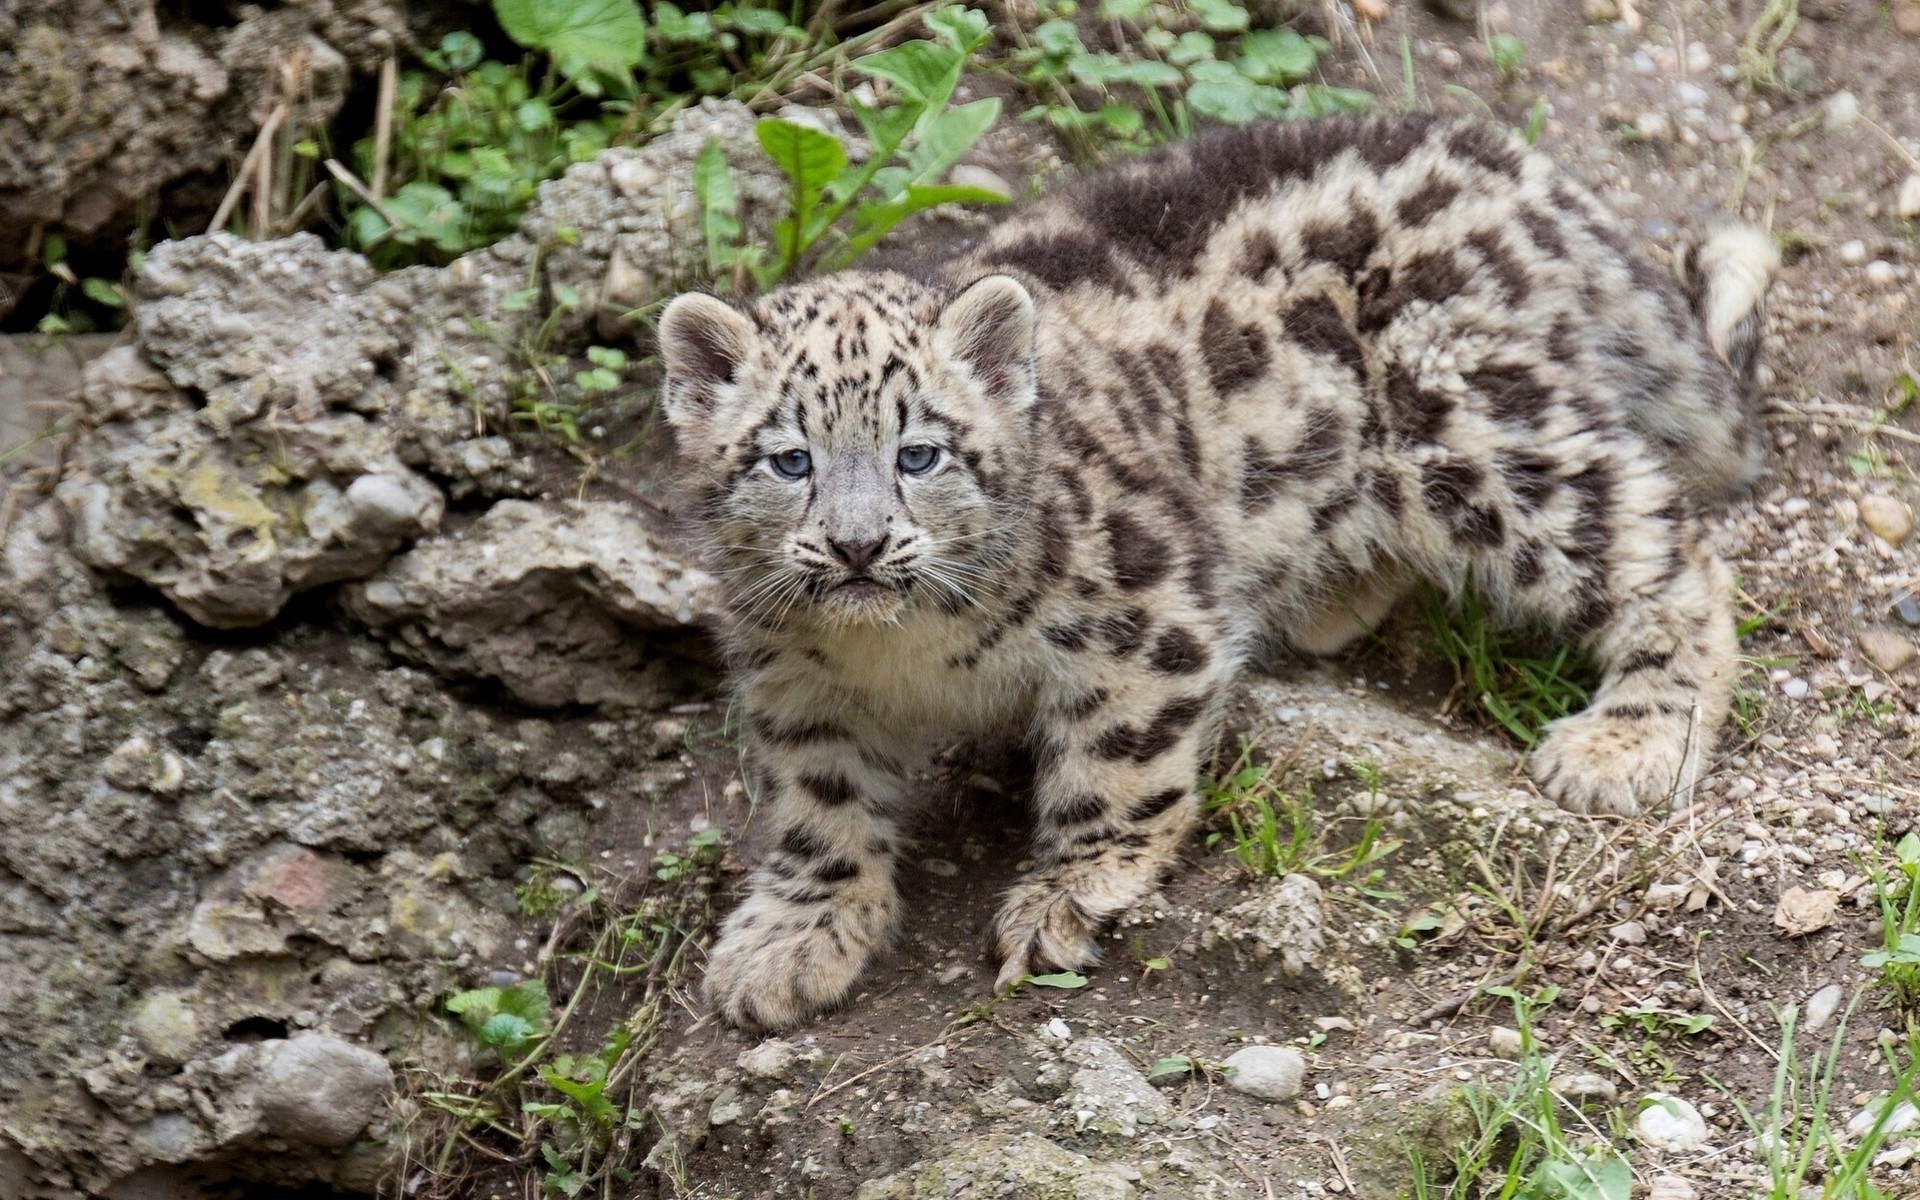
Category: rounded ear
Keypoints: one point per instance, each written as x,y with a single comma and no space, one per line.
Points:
703,342
989,327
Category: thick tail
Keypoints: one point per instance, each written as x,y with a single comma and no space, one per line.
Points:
1726,277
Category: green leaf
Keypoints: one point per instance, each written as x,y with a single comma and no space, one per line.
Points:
53,251
1222,92
460,51
1221,16
962,27
607,356
760,22
1506,51
1277,56
1067,980
480,1000
950,134
875,220
100,291
921,69
719,203
1103,69
1058,39
1123,10
1191,47
1173,1065
506,1031
580,35
811,161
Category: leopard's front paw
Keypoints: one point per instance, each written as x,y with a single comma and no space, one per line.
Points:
1041,928
776,964
1597,762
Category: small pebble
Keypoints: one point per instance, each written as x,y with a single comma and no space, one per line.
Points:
1880,272
1885,517
1653,126
1853,253
1056,1028
1841,110
1503,1042
1272,1073
1821,1006
1584,1086
1886,649
1907,207
1795,689
1906,608
1666,1122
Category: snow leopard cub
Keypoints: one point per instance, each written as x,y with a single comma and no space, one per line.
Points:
1249,387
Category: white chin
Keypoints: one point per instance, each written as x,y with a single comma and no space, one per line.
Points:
862,604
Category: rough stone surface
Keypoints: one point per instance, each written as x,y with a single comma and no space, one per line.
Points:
110,101
1272,1073
321,1090
1886,649
1022,1166
545,598
1283,920
1107,1094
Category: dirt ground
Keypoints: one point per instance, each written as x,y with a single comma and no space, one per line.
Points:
1670,919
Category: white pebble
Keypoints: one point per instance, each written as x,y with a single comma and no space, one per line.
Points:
1879,272
1907,207
1267,1072
1666,1122
1853,253
1794,689
1056,1028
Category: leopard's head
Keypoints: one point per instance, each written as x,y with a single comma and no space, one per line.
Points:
859,445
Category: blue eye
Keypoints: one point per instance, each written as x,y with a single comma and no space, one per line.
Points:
918,459
791,464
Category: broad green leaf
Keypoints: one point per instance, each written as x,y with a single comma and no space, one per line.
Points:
875,220
1221,16
1171,1066
1063,979
485,1000
920,69
607,356
527,999
580,35
1103,69
1229,96
963,27
1123,9
1191,47
1058,38
761,22
1122,119
811,161
1907,849
950,134
506,1031
1275,56
1318,100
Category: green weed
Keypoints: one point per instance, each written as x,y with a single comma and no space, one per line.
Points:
571,1116
914,139
1274,830
1803,1151
80,303
1766,37
1521,1150
1173,63
1894,891
1519,692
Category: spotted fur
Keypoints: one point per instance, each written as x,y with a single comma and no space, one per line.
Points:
1249,387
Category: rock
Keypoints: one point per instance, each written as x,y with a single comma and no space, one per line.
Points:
1669,1187
1283,920
969,175
1600,12
1584,1086
1904,1116
1107,1094
230,528
771,1059
1271,1073
1795,688
632,216
1880,273
164,1022
1821,1006
1801,911
998,1166
1853,253
1886,649
549,599
1503,1042
1667,1122
1886,518
1907,205
1840,111
115,102
1905,607
322,1091
1654,126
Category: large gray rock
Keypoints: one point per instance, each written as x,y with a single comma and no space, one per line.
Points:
549,599
229,528
321,1090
